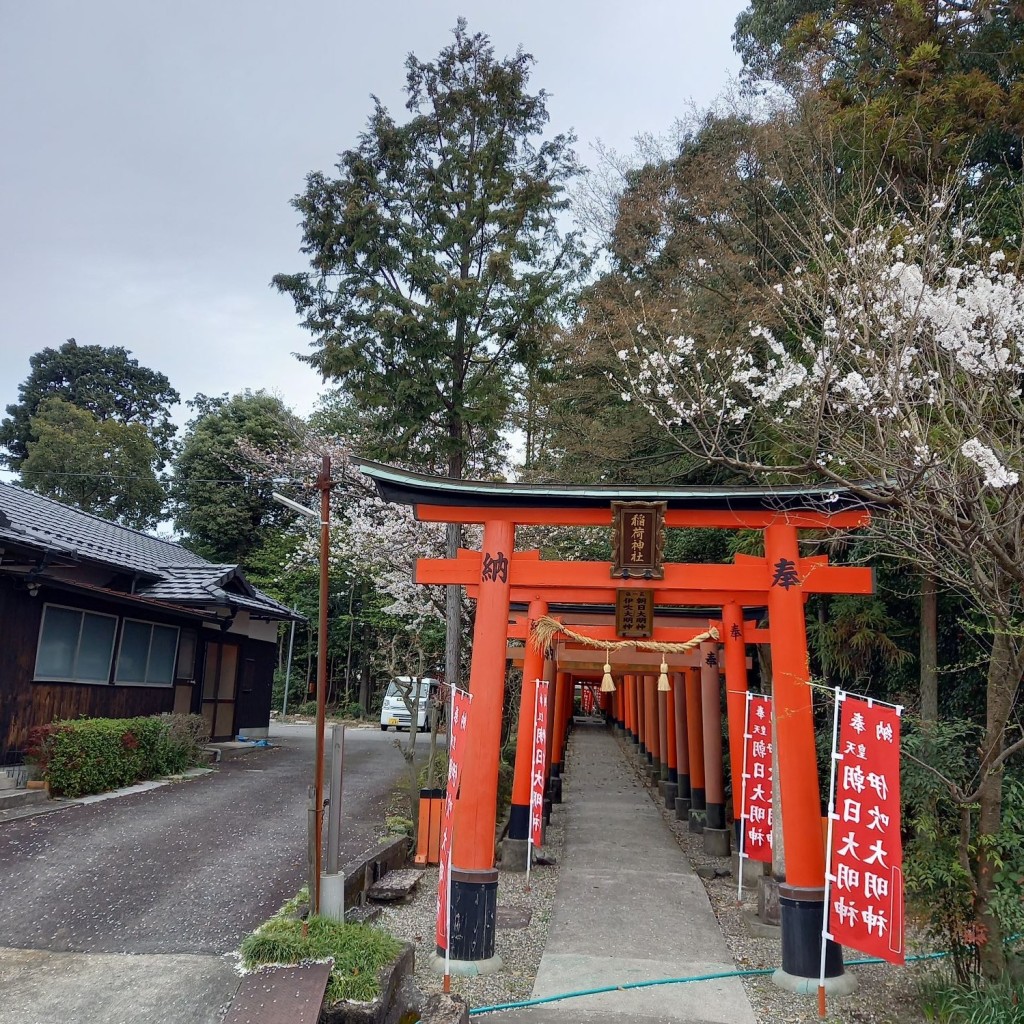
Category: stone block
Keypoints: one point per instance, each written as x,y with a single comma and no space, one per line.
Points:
716,842
395,885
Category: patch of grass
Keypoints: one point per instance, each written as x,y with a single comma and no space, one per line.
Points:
358,951
946,1001
297,905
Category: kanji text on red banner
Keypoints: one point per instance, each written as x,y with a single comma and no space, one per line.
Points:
866,869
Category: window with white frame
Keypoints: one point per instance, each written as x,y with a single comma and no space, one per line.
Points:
75,646
147,654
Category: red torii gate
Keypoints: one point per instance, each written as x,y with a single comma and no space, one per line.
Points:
497,574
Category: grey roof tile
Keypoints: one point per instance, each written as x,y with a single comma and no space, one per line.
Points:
171,573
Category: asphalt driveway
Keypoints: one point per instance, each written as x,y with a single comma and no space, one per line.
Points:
188,868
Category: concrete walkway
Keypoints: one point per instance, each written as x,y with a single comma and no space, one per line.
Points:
628,907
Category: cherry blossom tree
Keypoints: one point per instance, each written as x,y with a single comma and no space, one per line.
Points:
383,540
890,363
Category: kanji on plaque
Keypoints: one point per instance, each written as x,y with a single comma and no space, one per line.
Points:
757,780
456,751
866,868
539,765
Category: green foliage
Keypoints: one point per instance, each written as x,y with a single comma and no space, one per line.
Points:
506,776
437,265
761,30
105,382
397,825
858,640
948,1001
101,466
941,853
435,775
93,755
925,89
358,951
222,501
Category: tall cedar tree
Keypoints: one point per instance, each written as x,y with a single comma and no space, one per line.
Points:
437,263
105,382
436,257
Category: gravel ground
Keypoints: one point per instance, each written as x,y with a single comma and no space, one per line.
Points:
884,995
519,948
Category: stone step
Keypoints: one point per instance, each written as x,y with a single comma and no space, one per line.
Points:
11,798
365,914
280,995
395,885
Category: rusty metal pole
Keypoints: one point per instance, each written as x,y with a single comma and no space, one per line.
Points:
324,484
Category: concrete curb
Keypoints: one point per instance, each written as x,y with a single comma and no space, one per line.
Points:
60,803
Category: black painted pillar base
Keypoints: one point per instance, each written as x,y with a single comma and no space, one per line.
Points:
683,795
555,783
472,914
715,815
670,795
801,945
698,809
519,821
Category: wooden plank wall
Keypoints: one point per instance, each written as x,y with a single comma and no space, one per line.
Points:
24,704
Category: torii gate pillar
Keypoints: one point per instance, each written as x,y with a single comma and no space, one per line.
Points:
515,846
474,892
802,894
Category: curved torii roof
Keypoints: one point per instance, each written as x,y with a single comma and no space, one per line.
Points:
823,505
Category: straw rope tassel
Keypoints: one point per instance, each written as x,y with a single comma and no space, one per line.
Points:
607,683
663,678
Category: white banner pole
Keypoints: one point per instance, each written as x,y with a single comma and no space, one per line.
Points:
743,795
533,754
825,936
448,877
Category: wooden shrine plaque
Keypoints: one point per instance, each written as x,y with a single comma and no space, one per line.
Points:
634,614
638,539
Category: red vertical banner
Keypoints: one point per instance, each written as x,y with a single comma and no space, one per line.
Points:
456,748
757,780
866,865
540,740
587,700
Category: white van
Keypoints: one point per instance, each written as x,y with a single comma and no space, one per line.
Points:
394,711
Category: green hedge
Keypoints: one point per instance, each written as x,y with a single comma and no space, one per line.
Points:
93,755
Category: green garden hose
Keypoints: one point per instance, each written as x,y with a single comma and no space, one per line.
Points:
670,981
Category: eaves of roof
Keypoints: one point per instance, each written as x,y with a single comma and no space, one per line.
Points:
115,596
408,488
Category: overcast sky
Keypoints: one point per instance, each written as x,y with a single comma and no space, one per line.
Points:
149,150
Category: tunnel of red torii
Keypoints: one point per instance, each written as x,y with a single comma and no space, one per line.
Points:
679,731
